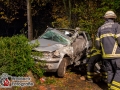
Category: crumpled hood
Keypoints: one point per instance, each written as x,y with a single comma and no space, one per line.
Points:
47,45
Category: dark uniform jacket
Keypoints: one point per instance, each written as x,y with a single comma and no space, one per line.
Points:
108,39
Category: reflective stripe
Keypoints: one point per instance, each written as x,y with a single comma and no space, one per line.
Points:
116,83
102,49
111,55
115,48
104,73
95,54
88,56
104,76
107,35
117,35
94,49
114,88
89,77
97,39
109,84
89,73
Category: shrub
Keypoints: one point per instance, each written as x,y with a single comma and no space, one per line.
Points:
15,55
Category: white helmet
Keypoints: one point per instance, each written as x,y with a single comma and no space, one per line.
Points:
110,14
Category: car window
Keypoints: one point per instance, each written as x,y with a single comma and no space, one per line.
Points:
55,37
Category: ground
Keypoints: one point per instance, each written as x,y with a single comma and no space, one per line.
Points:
71,81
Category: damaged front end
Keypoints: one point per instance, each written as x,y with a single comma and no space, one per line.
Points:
52,59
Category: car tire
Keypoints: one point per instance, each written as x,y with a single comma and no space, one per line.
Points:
62,68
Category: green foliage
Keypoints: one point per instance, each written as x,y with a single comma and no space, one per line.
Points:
90,14
37,70
86,14
15,56
60,14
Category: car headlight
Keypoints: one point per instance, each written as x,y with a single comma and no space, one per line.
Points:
56,54
47,54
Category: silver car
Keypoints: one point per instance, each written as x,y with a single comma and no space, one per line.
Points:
61,48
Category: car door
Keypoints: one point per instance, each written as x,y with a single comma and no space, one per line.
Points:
78,45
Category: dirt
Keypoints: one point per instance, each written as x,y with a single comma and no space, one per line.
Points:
74,81
71,81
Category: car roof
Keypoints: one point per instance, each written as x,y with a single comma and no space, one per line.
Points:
69,29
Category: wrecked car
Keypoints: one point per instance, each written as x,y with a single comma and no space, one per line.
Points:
61,48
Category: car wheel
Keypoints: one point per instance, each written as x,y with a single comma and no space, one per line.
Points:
62,68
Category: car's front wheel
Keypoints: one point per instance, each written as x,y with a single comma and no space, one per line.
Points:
62,68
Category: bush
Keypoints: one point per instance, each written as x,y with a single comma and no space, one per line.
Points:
15,55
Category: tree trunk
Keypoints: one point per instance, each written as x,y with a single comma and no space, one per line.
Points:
29,20
70,12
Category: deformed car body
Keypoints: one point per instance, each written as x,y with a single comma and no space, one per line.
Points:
60,48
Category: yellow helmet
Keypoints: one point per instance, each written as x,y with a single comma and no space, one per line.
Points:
110,14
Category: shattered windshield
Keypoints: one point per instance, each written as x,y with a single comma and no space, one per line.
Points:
50,35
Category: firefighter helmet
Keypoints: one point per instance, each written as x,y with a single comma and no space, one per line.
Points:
110,14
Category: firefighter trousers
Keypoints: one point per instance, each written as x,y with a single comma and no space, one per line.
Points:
113,71
90,65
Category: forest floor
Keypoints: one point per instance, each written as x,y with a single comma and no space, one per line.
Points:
71,81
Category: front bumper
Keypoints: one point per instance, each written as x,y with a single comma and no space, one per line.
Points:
50,64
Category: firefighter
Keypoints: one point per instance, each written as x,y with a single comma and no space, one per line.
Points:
103,72
93,57
108,40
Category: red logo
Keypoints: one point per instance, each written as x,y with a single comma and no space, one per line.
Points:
6,82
